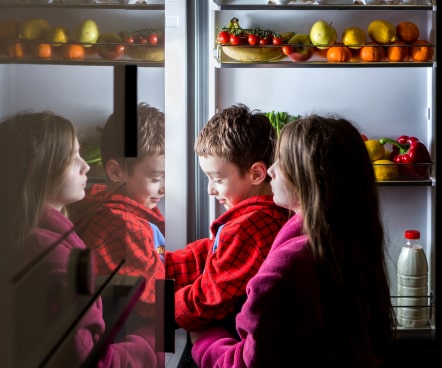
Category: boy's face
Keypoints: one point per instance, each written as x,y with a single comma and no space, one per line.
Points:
226,182
145,184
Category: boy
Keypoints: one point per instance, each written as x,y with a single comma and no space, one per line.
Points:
121,220
235,149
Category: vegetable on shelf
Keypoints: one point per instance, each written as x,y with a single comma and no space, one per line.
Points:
412,156
279,119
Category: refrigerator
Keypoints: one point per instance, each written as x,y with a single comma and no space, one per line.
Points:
188,75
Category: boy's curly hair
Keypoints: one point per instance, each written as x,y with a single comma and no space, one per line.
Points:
239,135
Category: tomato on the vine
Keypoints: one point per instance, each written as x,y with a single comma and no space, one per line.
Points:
287,50
252,39
223,37
234,39
130,39
277,40
142,40
264,40
153,38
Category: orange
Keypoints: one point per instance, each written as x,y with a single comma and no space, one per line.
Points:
321,52
73,51
422,51
16,50
407,31
43,51
397,51
9,29
338,54
371,52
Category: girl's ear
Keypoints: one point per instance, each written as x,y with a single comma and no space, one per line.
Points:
258,172
114,171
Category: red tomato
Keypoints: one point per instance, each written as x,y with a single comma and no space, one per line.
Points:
252,39
287,50
264,41
223,37
277,40
142,40
234,39
130,39
153,38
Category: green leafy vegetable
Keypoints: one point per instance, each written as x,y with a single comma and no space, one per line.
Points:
279,119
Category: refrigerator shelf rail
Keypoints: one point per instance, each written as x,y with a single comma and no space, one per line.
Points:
331,5
427,331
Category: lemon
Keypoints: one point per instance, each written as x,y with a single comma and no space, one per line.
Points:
376,150
354,37
382,31
58,35
385,170
34,29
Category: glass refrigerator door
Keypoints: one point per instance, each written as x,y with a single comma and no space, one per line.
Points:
51,299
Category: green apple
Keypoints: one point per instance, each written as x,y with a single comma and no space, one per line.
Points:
87,33
322,34
302,47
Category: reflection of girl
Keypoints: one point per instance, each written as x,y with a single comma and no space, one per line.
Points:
45,173
322,295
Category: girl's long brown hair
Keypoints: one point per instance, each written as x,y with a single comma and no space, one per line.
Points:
36,149
326,159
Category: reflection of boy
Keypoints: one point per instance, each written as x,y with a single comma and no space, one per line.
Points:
235,149
121,220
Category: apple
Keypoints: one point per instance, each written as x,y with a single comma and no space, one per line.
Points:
110,46
302,47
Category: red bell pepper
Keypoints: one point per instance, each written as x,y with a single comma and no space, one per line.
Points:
412,155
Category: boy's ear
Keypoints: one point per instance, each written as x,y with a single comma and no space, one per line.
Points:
258,172
114,171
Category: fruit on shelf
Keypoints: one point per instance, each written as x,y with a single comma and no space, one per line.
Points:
385,170
397,51
146,53
73,51
301,47
87,33
354,37
16,50
34,29
9,29
253,53
110,46
372,52
322,34
42,50
338,54
407,31
382,31
422,50
58,35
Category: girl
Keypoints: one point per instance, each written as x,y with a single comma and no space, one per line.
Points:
322,294
44,173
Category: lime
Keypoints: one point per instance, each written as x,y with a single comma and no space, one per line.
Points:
382,31
354,37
